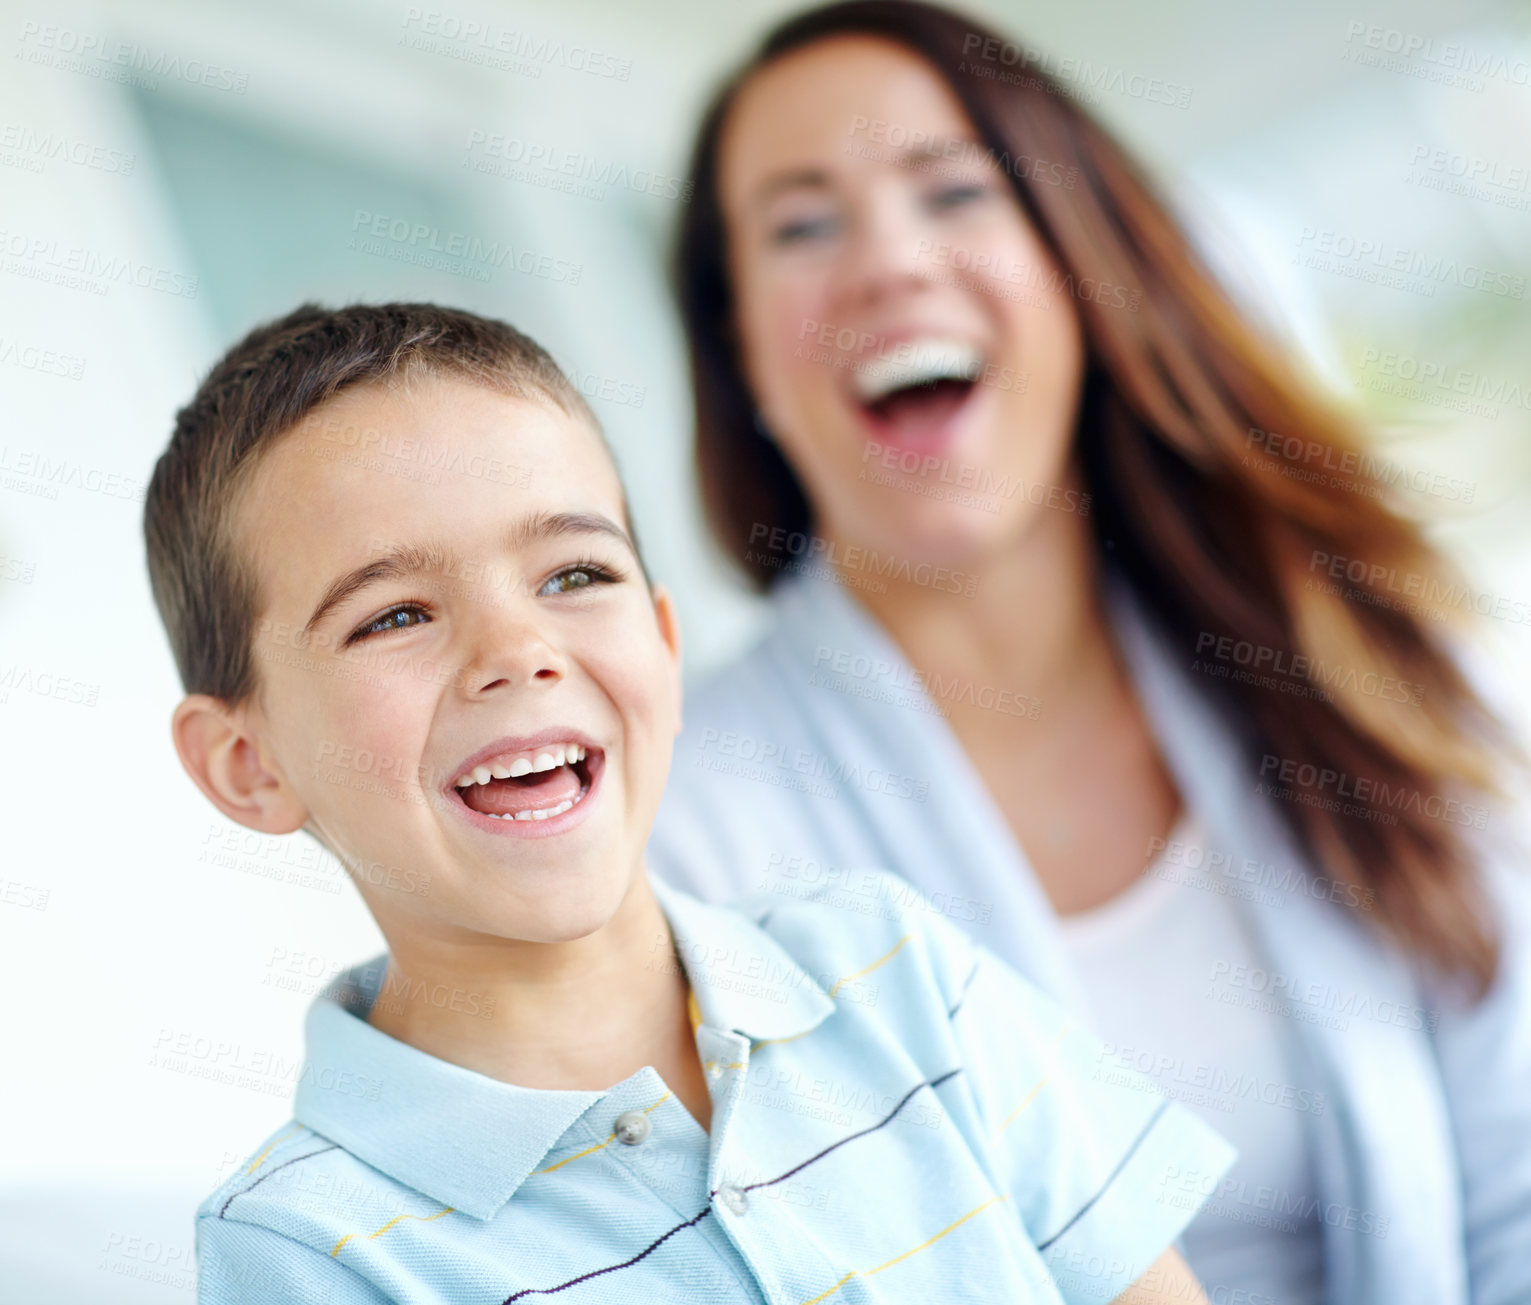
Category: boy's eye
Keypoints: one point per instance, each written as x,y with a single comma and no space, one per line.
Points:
582,575
395,618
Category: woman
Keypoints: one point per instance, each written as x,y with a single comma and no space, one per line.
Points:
1086,620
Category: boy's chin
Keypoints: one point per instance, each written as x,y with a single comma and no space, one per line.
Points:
562,906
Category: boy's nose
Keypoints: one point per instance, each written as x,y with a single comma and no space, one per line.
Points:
544,673
512,655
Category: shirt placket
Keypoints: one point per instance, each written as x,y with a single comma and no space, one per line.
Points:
745,1219
655,1138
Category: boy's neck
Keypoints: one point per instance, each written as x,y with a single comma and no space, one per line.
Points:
582,1015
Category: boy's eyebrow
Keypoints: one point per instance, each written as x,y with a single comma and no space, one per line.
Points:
412,559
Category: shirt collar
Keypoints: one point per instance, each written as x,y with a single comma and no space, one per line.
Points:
744,980
469,1141
816,612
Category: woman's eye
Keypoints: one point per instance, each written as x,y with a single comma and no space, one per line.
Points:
956,196
397,618
801,229
576,577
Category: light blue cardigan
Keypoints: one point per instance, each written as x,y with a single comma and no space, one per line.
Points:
1429,1131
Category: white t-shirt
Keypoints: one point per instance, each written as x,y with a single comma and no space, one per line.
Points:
1146,958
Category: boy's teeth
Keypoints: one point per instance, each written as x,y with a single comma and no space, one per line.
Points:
540,813
548,759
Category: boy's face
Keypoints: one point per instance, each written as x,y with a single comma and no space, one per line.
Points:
516,631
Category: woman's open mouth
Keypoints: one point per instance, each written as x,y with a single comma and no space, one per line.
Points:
912,393
528,786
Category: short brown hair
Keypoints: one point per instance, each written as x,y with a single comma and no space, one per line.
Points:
260,389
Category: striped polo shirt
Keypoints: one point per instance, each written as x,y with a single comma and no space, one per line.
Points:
897,1116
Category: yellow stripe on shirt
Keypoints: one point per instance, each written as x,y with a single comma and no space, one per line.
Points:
913,1250
590,1150
840,983
885,957
398,1218
1041,1083
276,1142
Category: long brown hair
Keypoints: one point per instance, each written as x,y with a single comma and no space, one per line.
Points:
1212,467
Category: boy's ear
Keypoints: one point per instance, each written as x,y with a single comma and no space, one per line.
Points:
222,757
669,631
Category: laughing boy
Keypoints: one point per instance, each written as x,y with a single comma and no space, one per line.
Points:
395,533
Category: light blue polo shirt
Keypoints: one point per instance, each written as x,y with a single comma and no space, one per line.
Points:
897,1116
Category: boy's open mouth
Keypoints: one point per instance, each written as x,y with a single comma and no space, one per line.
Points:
531,784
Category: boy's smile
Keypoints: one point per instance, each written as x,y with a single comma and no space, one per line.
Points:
462,670
530,782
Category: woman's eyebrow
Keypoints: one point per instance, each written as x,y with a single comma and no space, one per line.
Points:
960,149
416,559
795,179
956,149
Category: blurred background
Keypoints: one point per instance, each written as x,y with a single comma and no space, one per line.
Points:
172,173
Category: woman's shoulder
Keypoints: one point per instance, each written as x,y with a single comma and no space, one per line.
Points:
732,795
814,635
742,690
759,707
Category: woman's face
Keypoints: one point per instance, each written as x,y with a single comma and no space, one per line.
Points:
911,346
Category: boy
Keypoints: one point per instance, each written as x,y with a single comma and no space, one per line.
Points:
443,659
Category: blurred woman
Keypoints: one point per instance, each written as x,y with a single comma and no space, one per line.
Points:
1087,618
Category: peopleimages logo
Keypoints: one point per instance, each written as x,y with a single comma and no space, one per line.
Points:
1074,74
988,266
96,55
1375,794
45,258
928,147
478,42
1437,595
1258,657
1373,258
1439,376
55,146
778,541
529,160
1321,462
451,251
1444,57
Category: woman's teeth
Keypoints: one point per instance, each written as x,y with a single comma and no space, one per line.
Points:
923,361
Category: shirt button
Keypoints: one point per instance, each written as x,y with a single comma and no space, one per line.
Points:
714,1071
633,1127
735,1198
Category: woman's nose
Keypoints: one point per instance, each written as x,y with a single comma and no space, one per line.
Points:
882,257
